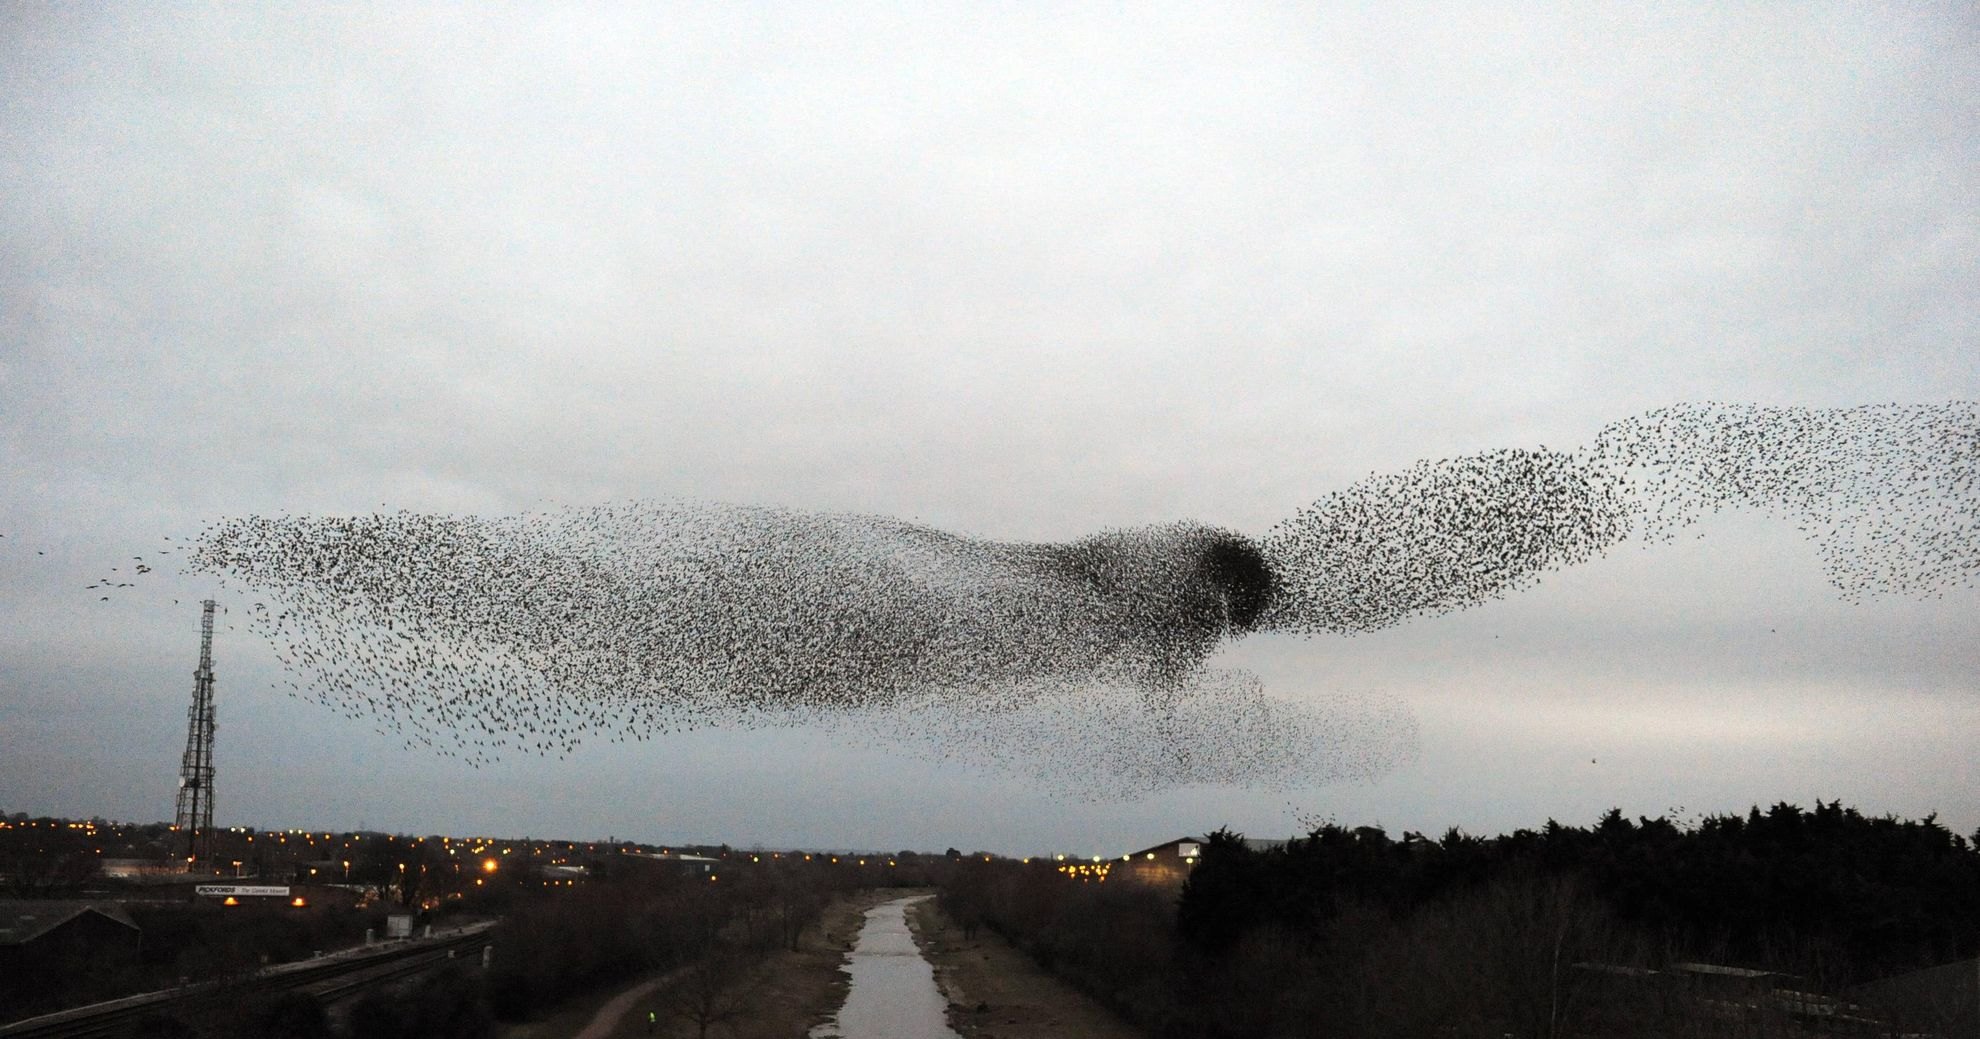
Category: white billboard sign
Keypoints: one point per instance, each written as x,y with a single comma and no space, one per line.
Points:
242,891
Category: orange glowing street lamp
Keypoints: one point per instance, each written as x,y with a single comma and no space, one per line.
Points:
488,865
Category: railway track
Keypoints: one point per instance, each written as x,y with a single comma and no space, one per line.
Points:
329,978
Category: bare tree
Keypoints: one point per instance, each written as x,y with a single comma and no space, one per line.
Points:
42,876
797,907
713,991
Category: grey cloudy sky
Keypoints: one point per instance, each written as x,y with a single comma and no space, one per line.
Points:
1022,271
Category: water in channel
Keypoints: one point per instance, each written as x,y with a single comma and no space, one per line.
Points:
892,994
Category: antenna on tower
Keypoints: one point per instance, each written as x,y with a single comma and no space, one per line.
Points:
195,813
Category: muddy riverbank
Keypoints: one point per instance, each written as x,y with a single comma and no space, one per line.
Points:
996,992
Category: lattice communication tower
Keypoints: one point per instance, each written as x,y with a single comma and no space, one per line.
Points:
195,812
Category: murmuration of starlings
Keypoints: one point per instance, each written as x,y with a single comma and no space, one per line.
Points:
1084,663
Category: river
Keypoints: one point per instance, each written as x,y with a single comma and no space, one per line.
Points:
892,994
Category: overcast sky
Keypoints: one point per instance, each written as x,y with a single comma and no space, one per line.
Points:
1023,271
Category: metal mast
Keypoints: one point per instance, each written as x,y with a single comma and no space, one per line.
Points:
195,812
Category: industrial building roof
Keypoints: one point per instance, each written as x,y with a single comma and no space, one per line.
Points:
23,922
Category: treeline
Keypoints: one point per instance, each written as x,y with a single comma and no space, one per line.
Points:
636,918
1862,896
630,917
1116,942
1556,931
642,918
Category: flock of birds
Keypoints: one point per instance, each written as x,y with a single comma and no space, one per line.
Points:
475,635
1887,492
108,582
1083,663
